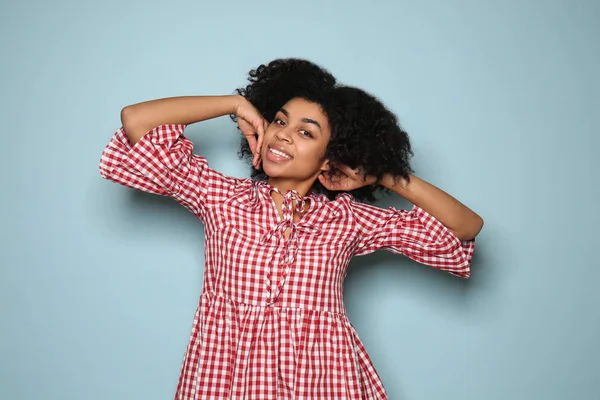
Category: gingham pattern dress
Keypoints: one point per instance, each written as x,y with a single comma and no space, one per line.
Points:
271,322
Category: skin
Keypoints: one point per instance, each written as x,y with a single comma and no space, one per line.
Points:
463,222
300,129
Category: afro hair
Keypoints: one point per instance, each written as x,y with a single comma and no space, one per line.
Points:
365,135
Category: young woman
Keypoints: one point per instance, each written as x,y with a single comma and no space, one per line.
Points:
271,322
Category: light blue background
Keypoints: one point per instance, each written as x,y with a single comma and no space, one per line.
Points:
98,283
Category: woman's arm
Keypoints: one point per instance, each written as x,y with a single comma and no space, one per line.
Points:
458,218
137,119
150,153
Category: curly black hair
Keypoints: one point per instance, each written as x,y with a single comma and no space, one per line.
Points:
364,133
367,136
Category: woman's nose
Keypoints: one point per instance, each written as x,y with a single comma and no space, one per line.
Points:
284,134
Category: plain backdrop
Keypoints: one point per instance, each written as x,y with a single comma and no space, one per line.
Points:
98,283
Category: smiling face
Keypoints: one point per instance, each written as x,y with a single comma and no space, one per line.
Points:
293,151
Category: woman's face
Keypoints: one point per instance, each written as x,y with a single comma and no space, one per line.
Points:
294,145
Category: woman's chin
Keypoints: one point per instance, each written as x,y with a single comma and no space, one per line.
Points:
272,171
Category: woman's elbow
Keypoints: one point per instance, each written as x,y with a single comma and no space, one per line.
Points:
131,125
469,230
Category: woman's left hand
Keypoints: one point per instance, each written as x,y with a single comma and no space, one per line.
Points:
348,179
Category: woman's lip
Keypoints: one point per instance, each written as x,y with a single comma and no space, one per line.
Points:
276,158
280,150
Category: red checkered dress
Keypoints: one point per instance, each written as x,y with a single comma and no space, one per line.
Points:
271,322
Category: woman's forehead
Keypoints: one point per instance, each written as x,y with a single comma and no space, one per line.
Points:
301,108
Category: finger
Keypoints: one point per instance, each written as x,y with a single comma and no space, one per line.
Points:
246,128
257,152
252,143
259,144
338,177
257,166
349,172
327,176
326,183
259,126
261,134
344,168
332,182
256,161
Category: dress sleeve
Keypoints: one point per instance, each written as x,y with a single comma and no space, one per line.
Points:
162,162
415,234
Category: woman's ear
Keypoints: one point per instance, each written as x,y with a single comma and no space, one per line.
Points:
325,166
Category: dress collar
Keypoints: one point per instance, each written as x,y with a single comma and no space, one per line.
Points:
266,188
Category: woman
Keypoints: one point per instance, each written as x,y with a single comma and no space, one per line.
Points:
271,322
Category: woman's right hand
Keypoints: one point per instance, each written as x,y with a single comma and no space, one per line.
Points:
253,127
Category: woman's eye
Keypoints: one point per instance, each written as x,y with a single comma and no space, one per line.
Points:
306,133
279,121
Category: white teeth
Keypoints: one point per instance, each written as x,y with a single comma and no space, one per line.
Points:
278,153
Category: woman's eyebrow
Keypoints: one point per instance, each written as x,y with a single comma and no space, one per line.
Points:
305,120
311,121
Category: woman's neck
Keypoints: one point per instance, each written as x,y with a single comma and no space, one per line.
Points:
284,186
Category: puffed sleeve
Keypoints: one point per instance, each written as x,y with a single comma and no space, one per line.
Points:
162,162
413,233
